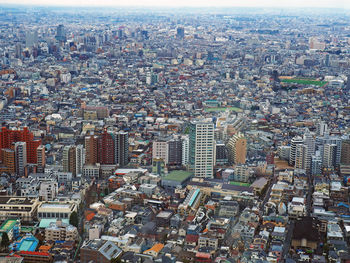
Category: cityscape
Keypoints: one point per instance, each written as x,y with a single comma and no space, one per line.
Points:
174,135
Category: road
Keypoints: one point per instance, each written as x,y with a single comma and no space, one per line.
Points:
288,240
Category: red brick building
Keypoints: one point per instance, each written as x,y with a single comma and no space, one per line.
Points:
8,137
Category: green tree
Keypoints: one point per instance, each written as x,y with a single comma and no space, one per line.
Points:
5,242
115,260
73,219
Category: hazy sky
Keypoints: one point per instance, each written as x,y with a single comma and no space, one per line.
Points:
199,3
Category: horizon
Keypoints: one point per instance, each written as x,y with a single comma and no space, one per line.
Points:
320,4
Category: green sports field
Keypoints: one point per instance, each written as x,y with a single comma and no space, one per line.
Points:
239,183
222,109
305,81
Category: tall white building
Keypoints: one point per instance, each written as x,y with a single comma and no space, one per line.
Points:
301,157
295,141
309,143
80,158
21,157
329,155
202,149
185,149
322,128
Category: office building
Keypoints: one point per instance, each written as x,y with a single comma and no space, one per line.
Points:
31,39
201,149
61,34
345,152
180,33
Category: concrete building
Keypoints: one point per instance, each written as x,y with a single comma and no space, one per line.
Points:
21,157
41,158
237,149
201,149
58,210
59,231
295,141
15,207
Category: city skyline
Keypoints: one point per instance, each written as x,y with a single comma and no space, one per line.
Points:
184,3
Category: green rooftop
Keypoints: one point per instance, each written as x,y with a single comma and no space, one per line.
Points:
178,176
239,183
8,225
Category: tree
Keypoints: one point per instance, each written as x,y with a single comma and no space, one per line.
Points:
115,260
5,242
73,219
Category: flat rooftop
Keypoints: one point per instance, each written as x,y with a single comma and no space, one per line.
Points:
56,206
178,176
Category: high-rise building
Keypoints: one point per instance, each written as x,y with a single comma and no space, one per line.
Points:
80,159
41,158
295,141
221,153
31,39
201,149
237,149
329,155
91,149
106,148
284,152
327,139
321,128
121,148
185,150
301,157
61,34
69,159
8,137
175,152
309,143
20,157
180,33
316,164
8,161
345,152
160,150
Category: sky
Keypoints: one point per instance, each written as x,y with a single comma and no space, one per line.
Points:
188,3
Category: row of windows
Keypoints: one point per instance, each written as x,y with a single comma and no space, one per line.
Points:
52,215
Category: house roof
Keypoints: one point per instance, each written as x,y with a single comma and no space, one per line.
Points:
156,248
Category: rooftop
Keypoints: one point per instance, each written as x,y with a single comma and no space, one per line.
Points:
178,176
